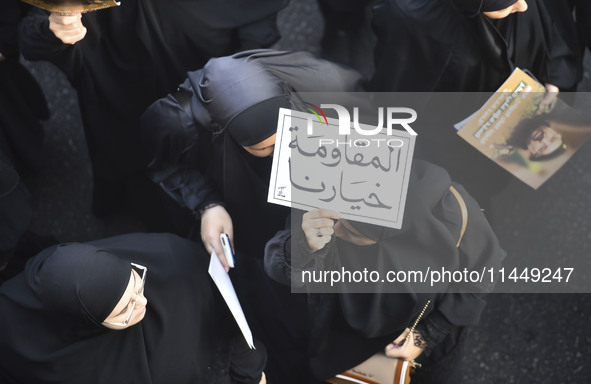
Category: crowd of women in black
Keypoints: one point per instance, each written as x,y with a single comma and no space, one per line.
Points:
195,158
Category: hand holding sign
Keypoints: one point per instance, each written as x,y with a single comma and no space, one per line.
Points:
358,177
318,227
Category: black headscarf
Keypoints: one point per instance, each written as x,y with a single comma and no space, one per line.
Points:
71,279
229,86
50,316
496,5
265,114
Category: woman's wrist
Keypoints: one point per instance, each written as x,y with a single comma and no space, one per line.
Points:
201,210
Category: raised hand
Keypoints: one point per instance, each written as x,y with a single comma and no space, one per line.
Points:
68,28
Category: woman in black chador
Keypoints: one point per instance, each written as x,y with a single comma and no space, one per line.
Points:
136,308
347,328
211,143
122,59
472,45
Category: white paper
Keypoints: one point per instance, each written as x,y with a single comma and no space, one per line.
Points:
308,174
224,284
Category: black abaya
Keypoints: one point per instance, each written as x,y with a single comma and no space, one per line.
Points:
347,328
132,55
15,210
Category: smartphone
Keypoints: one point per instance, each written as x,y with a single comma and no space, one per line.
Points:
227,249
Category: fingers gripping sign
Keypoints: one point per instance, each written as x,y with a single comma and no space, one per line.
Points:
68,28
214,222
318,226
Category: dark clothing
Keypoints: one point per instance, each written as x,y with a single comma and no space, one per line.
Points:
583,12
347,328
566,54
343,15
449,45
58,304
15,210
132,55
10,14
571,23
347,36
197,160
22,103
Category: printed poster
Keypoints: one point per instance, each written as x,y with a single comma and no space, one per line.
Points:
525,130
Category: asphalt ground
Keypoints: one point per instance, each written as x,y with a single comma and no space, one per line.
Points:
522,338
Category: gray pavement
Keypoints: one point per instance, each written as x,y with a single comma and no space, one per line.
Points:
522,338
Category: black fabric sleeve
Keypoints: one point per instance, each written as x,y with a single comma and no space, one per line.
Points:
433,329
38,42
287,254
565,62
171,136
10,14
15,208
246,365
431,30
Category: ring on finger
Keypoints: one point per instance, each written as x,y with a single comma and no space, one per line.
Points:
319,233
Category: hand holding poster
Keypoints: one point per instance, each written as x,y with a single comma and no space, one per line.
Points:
363,177
525,130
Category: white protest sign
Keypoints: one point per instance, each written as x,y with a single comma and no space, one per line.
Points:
364,178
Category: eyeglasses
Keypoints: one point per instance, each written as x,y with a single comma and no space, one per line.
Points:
141,270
